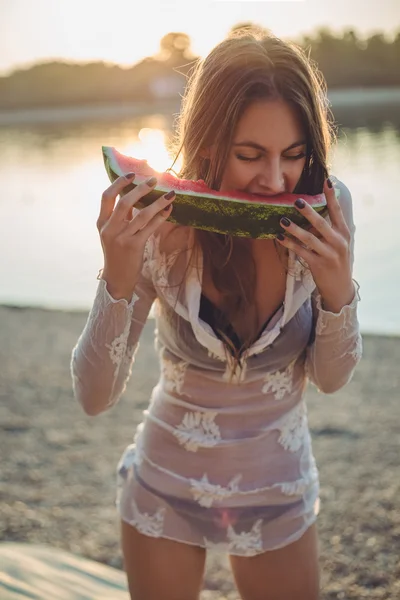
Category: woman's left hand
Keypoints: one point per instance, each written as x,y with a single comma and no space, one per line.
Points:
327,253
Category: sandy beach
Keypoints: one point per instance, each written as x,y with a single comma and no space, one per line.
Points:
58,465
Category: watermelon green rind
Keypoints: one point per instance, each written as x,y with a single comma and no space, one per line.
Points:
215,211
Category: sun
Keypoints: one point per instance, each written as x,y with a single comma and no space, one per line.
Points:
152,146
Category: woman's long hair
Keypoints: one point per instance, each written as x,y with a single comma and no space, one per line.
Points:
247,66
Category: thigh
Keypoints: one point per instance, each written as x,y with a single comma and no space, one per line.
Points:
161,569
290,572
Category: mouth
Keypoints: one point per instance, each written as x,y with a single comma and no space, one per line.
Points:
262,195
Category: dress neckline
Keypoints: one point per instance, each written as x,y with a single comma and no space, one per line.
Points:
206,336
205,303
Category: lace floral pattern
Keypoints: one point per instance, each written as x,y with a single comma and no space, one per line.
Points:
116,350
246,543
148,250
158,265
206,493
198,430
218,546
147,524
174,374
345,316
279,382
294,428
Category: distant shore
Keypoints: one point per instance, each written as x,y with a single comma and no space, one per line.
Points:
340,98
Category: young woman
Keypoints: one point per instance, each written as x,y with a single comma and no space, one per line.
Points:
223,458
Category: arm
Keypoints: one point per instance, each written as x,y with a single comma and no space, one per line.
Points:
102,359
336,349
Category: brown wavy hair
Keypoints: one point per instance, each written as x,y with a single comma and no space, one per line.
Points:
247,66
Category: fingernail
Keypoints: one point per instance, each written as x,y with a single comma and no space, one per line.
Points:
329,182
151,181
300,203
285,221
170,195
166,208
129,175
280,236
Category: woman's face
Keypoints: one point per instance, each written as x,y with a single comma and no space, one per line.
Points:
267,155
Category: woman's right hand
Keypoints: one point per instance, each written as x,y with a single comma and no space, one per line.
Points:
123,237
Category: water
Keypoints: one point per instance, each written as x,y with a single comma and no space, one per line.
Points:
52,177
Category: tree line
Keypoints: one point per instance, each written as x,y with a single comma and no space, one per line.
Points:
345,59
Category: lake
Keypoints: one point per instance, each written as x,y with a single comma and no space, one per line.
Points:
52,177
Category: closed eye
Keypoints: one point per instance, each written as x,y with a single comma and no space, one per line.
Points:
248,159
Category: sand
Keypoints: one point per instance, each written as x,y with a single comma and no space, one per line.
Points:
58,465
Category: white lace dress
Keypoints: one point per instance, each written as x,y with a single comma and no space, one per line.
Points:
221,459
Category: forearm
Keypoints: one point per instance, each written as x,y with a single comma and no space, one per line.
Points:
100,350
337,347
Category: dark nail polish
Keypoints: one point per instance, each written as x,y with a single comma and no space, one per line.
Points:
329,182
300,203
285,221
170,195
129,175
151,181
280,236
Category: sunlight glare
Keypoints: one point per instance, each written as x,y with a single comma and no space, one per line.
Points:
152,146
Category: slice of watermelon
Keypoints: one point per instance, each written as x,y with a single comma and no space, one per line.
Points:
196,205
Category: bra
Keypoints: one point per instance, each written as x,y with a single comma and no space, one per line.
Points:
208,313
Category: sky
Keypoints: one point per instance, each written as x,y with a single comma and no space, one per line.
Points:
124,31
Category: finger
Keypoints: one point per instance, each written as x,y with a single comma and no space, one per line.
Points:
319,224
109,197
308,255
147,214
335,210
307,238
314,232
154,224
126,202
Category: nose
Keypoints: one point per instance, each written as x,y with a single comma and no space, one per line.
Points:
271,177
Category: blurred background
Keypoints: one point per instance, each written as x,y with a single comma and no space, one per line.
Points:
79,75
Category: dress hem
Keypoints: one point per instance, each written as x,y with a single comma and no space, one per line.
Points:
219,547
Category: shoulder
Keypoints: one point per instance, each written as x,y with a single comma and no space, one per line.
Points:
344,192
345,200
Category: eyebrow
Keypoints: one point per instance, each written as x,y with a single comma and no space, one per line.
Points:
251,144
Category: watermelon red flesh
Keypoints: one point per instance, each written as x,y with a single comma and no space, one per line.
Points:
234,213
